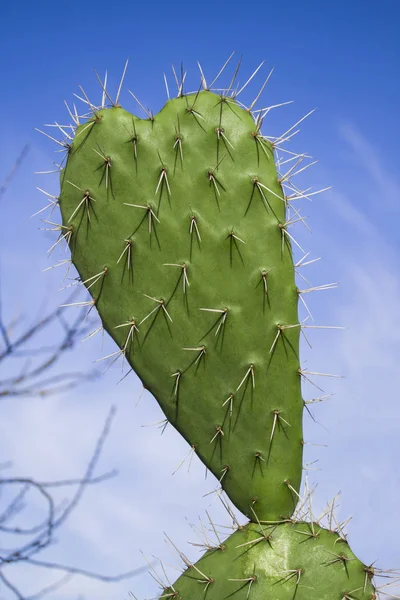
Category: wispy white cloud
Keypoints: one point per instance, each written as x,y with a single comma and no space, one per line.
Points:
370,160
363,419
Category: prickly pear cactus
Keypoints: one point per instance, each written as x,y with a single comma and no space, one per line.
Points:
178,225
286,561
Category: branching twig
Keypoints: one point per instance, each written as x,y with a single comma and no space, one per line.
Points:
36,376
29,381
10,176
43,533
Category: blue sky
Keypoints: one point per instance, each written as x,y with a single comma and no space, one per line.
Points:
341,57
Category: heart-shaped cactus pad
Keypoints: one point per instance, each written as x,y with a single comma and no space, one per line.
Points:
177,226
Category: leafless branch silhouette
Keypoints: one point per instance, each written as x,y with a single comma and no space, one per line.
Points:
28,368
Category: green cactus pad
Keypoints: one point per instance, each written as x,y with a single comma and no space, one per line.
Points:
177,227
290,561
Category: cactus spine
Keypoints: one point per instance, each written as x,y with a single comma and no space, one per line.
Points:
179,227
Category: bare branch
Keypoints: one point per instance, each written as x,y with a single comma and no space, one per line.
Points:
43,533
29,381
10,176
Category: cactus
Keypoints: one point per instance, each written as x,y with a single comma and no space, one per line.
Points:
178,225
178,228
286,561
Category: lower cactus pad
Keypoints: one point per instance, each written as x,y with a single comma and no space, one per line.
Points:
286,561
